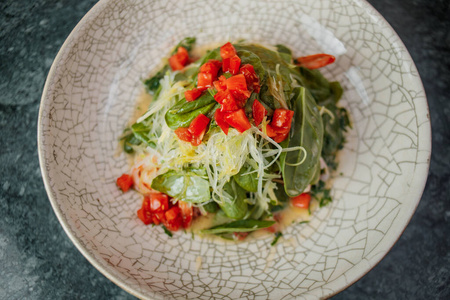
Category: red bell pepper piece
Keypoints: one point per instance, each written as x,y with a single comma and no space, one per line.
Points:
231,64
198,126
238,88
250,77
227,51
125,182
212,66
282,118
259,112
183,134
174,219
301,201
220,84
238,120
193,94
316,61
179,59
229,103
219,116
204,80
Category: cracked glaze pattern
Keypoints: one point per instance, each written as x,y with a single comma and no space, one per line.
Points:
89,97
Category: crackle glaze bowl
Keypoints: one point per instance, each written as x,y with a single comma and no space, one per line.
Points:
90,96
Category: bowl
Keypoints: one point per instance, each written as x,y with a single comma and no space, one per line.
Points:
90,95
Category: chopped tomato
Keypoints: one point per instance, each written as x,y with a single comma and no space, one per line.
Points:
282,118
229,103
179,59
238,120
159,202
159,217
251,78
258,112
186,213
221,95
301,201
270,131
221,84
204,80
193,94
145,216
219,116
212,66
173,218
231,64
316,61
125,182
238,88
183,134
240,236
281,136
198,126
227,51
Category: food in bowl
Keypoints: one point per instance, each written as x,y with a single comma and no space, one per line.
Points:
236,140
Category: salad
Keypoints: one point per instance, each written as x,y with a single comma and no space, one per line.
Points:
234,138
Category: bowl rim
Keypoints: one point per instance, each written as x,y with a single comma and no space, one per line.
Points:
75,33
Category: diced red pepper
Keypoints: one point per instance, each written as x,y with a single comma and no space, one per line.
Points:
221,95
193,94
145,216
270,131
316,61
229,103
125,182
221,84
227,51
240,236
179,59
282,118
212,66
231,64
281,136
159,202
301,201
219,116
174,219
238,120
250,77
238,88
198,126
259,112
204,80
159,217
184,134
186,213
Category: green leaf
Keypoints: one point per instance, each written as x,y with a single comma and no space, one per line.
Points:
183,112
167,231
233,201
187,43
277,237
314,81
239,226
307,132
249,182
152,84
336,91
211,207
185,186
141,132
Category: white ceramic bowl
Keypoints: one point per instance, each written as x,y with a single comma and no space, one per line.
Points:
89,97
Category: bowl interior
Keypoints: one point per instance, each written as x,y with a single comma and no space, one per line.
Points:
90,96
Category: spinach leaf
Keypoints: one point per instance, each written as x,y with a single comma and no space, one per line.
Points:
183,185
129,141
183,112
248,57
248,182
187,43
239,226
306,131
281,193
314,81
152,84
211,207
336,91
142,132
233,203
283,49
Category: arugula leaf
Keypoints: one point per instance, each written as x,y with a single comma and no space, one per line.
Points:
183,185
239,226
233,203
307,132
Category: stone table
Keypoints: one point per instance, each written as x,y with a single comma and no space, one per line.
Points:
37,259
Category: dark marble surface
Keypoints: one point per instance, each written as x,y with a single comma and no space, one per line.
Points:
37,259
